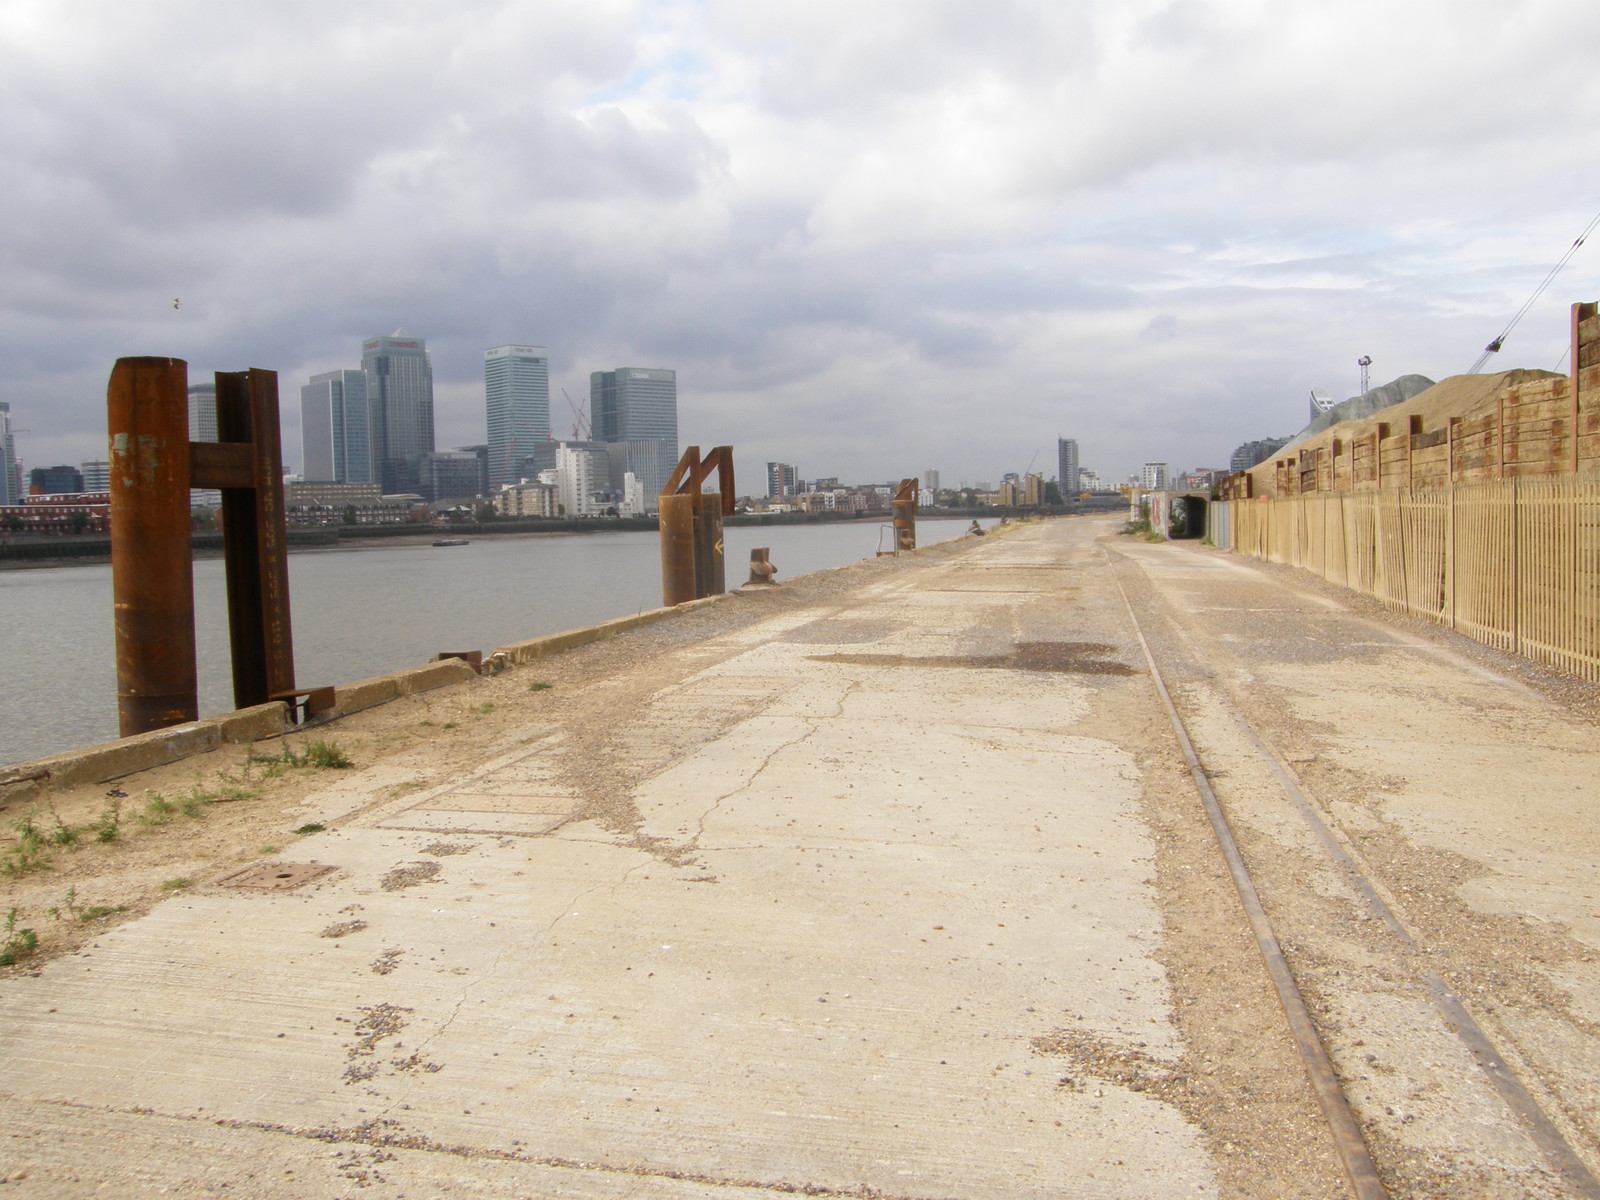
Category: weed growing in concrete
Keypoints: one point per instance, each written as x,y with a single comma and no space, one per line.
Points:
309,828
108,827
320,756
158,810
64,834
28,852
539,687
82,912
18,944
177,885
327,756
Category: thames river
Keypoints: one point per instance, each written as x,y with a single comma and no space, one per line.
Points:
365,611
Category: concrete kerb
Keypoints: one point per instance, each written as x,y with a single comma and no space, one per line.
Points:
522,652
112,760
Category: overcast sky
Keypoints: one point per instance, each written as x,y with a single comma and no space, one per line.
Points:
872,237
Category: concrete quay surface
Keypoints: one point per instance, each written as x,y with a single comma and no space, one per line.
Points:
886,883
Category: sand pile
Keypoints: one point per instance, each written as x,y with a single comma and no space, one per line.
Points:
1464,396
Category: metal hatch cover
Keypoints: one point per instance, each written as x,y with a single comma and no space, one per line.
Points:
277,877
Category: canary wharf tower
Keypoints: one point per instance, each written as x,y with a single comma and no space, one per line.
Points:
636,409
516,386
400,399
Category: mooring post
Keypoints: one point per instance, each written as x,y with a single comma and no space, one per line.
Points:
152,572
692,561
905,516
254,541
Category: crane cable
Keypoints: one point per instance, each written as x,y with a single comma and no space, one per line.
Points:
1494,346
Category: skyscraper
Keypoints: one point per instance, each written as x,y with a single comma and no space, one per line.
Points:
203,412
335,430
203,428
516,393
399,383
10,491
1067,468
639,406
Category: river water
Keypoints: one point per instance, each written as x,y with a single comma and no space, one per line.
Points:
364,611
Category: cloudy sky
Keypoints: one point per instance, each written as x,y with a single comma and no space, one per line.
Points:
872,236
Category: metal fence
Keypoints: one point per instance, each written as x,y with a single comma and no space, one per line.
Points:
1515,564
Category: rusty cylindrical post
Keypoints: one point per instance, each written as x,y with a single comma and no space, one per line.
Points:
152,572
677,549
905,516
710,569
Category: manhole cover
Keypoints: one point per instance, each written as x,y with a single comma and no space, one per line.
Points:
277,877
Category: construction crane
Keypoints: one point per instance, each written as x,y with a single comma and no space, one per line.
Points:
1495,346
581,429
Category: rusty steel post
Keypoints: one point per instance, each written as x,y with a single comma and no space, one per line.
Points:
152,571
710,571
692,560
254,541
905,516
677,550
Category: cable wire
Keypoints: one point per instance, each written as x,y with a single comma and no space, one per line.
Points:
1494,346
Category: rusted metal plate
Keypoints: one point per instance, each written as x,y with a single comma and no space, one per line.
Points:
277,877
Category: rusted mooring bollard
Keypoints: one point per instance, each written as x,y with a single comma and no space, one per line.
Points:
905,515
152,572
691,526
761,568
153,466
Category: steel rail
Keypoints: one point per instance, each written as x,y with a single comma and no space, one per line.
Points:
1557,1151
1354,1160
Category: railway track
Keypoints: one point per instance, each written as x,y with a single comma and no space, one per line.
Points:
1539,1119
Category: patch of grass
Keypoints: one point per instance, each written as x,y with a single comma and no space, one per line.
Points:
320,756
327,756
18,944
449,725
158,810
178,884
68,902
486,708
108,826
267,850
310,827
74,911
540,687
64,834
29,852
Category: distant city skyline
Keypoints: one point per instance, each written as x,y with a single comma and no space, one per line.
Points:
936,234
